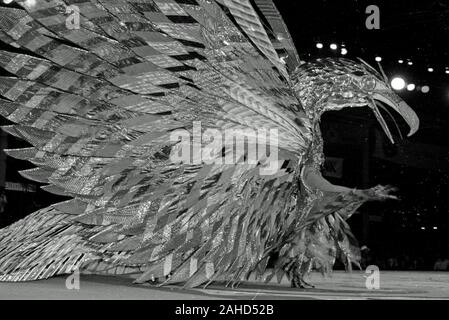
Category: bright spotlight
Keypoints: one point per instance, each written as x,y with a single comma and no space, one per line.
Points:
319,45
344,51
398,83
378,59
447,71
435,228
425,89
410,63
430,69
333,46
411,87
401,61
7,1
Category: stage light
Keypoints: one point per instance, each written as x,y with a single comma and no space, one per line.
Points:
435,228
398,83
378,59
425,89
423,228
319,45
447,71
401,61
430,69
7,1
333,46
410,63
344,51
411,87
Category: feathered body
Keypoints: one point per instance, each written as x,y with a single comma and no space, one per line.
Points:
100,103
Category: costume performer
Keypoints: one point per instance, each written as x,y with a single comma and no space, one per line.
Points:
100,88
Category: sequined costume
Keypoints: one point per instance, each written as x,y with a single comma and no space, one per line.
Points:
99,101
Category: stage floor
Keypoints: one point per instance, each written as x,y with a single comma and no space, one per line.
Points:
393,285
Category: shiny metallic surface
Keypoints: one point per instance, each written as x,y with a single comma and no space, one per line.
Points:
100,116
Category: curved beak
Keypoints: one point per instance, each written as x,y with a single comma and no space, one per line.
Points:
390,98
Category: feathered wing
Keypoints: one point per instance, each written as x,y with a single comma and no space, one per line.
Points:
100,105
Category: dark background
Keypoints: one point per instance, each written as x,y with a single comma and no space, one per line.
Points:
415,230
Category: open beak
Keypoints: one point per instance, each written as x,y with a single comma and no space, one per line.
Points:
391,99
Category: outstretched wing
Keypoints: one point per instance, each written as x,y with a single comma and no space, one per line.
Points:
100,103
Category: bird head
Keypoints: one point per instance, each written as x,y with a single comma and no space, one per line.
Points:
335,84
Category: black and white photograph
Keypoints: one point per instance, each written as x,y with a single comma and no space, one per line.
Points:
230,150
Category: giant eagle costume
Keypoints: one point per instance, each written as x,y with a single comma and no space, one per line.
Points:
103,90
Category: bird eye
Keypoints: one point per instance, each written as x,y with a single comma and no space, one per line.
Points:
368,83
